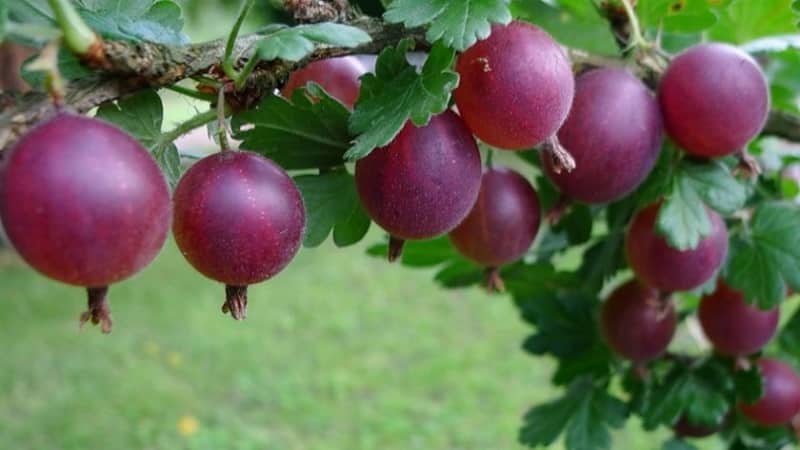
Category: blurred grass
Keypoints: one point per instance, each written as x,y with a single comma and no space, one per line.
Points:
340,351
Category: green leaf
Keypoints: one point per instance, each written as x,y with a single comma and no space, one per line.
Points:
161,22
3,19
676,443
566,326
331,202
606,257
141,115
69,66
295,43
746,20
300,135
396,92
574,23
683,219
681,16
584,414
457,23
770,259
749,384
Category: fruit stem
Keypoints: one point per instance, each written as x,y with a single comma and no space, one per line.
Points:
99,312
197,121
561,158
77,35
557,211
227,61
748,166
47,62
222,132
235,301
191,93
395,248
493,281
489,158
636,31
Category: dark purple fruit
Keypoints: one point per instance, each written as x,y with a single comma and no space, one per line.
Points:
657,264
503,223
684,428
714,99
734,327
84,203
613,132
423,183
338,76
781,399
516,86
637,323
239,219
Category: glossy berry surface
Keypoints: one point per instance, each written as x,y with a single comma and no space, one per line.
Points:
504,221
714,99
239,219
338,76
636,323
83,202
657,264
734,327
613,132
781,399
424,182
516,86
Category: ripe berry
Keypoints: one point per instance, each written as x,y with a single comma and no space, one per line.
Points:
668,269
423,183
516,86
714,99
614,133
781,400
84,203
636,323
734,327
338,76
239,219
502,225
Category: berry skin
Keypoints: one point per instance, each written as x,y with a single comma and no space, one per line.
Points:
338,76
657,264
714,99
239,220
636,323
516,86
781,400
85,204
503,223
684,428
734,327
613,132
423,183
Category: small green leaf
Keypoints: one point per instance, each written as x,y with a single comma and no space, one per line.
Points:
749,384
770,259
683,219
295,43
298,135
396,93
584,414
331,202
680,16
567,324
457,23
134,21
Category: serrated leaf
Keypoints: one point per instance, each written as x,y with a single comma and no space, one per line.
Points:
299,135
567,324
584,414
770,259
683,219
680,16
295,43
457,23
161,22
331,202
605,257
396,93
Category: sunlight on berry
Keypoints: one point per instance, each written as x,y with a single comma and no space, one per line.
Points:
187,425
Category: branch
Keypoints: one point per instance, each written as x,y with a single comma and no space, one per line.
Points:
127,67
783,125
